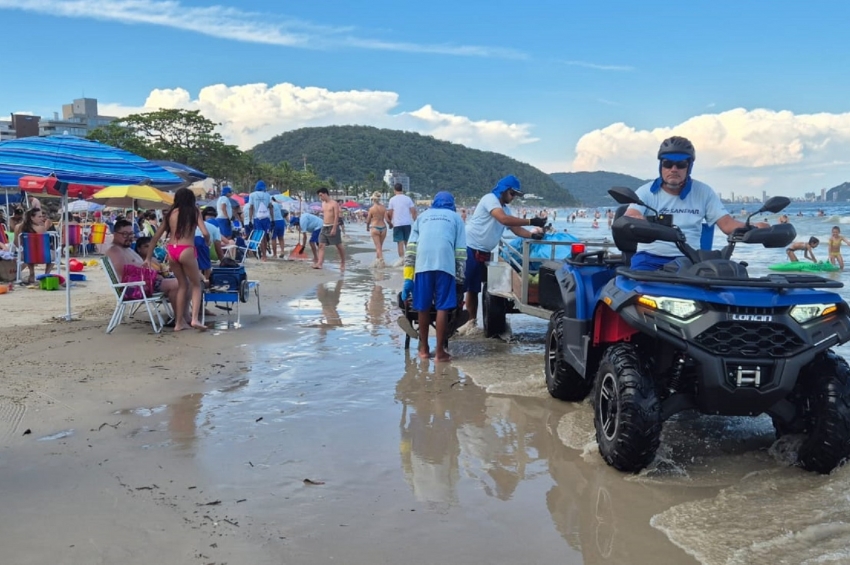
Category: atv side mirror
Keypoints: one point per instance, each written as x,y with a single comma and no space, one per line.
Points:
624,195
775,204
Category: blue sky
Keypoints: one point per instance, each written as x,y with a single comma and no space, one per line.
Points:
761,88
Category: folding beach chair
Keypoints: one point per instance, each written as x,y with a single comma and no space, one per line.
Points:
75,237
252,245
4,235
35,248
151,303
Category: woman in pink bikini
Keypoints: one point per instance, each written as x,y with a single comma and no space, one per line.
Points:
179,222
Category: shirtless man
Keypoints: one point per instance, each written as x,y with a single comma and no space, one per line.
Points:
330,229
121,253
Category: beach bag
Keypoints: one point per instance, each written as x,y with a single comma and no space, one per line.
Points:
134,273
262,211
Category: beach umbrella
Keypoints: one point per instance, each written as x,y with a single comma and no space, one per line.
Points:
84,206
78,160
314,206
282,198
351,205
238,198
68,159
46,187
133,196
188,174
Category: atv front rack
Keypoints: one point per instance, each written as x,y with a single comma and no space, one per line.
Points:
777,281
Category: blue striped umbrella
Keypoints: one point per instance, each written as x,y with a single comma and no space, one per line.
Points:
77,160
82,161
188,174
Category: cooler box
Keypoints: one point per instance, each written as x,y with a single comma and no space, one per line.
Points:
232,277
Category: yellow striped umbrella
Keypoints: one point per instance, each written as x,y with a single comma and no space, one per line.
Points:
133,196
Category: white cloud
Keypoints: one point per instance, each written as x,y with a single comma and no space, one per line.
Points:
237,25
597,66
253,113
743,149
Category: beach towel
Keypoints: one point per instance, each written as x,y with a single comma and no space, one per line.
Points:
134,273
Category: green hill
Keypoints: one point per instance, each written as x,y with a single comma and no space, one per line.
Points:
591,189
349,154
840,193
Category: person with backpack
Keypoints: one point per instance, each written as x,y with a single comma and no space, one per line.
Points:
259,211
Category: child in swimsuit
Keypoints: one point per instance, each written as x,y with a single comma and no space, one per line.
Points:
835,247
806,248
180,222
376,225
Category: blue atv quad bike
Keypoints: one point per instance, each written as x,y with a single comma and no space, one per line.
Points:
700,334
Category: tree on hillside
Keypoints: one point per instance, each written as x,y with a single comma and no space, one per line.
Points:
183,136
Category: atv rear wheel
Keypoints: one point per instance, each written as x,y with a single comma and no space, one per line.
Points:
627,412
495,314
828,415
563,382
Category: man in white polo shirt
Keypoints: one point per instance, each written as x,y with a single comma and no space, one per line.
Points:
401,211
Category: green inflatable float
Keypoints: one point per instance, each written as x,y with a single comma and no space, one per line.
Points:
801,266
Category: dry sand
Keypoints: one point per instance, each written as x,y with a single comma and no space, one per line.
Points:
90,497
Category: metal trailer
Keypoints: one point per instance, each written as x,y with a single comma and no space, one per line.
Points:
514,281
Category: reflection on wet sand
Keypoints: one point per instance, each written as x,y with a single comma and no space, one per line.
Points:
453,432
329,299
182,420
376,310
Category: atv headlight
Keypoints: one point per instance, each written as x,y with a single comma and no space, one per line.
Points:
806,312
678,307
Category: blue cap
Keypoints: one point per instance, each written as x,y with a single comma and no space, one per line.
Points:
226,190
510,182
260,185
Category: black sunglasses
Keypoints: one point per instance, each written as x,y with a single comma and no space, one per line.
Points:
668,164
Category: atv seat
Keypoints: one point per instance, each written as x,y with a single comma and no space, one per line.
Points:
629,248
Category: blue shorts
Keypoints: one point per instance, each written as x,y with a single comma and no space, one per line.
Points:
203,252
263,224
314,237
401,233
225,226
434,288
643,261
279,228
475,271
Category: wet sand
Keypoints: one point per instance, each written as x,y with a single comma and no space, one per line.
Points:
194,448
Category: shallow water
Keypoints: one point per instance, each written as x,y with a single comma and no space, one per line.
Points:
472,462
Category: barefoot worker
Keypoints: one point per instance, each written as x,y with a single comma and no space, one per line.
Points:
434,263
483,232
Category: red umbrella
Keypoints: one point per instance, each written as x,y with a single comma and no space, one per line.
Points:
351,204
45,186
239,198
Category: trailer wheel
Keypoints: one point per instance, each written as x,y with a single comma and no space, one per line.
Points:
562,381
495,314
627,412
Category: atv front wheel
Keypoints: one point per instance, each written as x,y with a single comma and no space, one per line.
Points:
627,412
495,314
828,444
563,382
